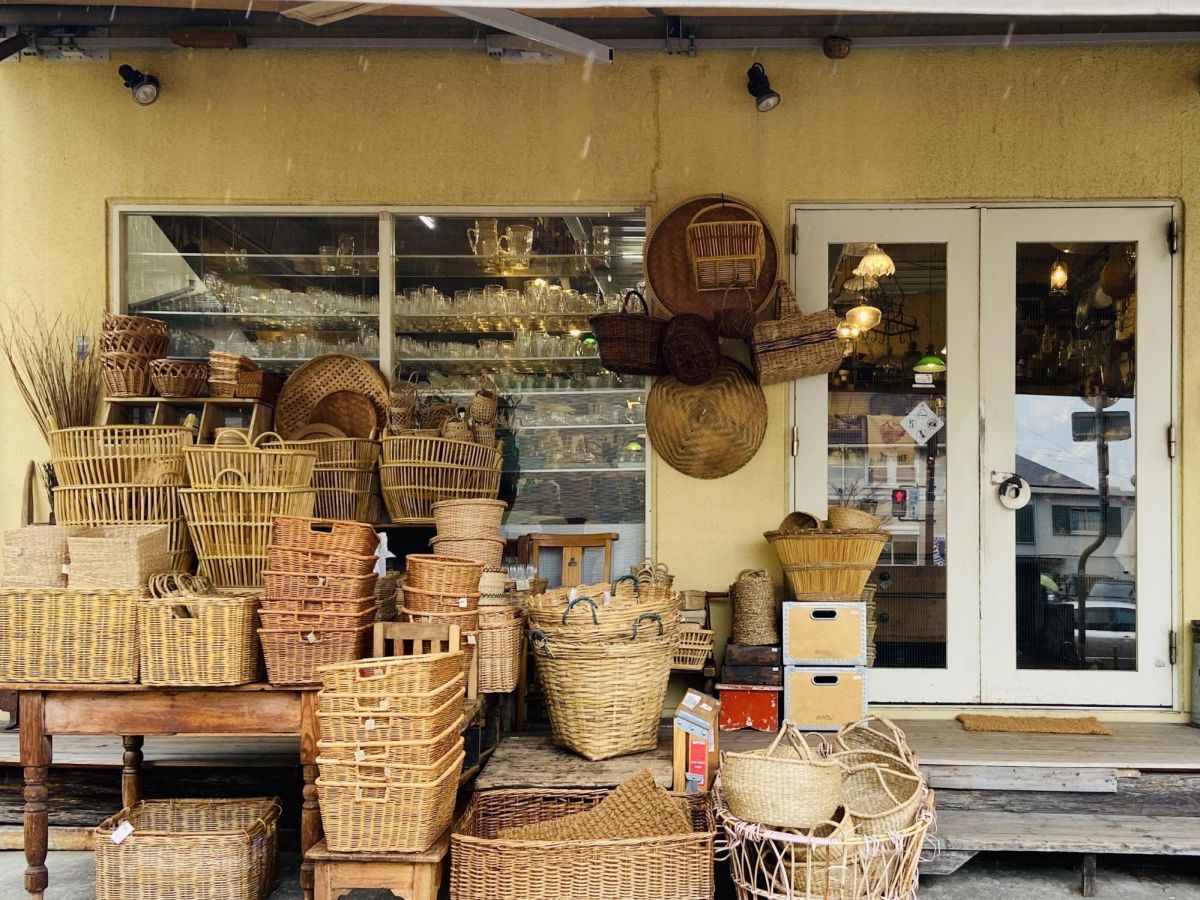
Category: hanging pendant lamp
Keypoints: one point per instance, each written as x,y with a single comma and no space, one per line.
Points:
875,263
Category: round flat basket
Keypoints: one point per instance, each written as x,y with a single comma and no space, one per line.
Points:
670,275
707,430
320,392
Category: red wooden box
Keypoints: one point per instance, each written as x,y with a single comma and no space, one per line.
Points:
749,706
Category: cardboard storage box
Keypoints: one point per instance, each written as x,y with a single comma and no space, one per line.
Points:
696,751
820,698
825,634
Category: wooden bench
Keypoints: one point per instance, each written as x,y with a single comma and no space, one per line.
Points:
409,876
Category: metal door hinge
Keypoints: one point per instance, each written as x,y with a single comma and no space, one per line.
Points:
795,441
1172,647
1173,236
795,239
1172,445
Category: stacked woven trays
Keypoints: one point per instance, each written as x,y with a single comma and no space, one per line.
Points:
391,751
828,560
419,470
128,346
470,529
346,477
237,488
840,822
228,371
444,590
604,657
123,475
318,596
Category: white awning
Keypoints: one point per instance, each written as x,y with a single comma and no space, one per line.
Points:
1041,8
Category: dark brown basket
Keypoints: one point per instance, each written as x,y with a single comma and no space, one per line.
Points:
796,345
630,343
691,348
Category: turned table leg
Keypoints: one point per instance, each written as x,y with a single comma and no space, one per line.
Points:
36,755
310,809
131,773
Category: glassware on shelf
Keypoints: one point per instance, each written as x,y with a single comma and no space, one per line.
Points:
327,254
516,245
346,263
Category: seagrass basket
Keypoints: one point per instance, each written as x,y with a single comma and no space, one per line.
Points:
784,785
119,454
193,641
34,556
755,609
420,470
126,504
118,556
190,850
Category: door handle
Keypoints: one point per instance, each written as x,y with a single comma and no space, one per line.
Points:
1012,490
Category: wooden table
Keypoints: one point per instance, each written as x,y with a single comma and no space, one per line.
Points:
136,710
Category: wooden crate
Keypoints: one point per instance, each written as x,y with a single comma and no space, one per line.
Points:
750,706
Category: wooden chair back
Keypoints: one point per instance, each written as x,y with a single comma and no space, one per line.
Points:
573,547
413,638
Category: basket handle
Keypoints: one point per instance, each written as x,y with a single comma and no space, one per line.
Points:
749,572
652,616
540,642
241,475
183,612
786,303
878,770
632,579
232,436
634,292
274,435
570,606
726,204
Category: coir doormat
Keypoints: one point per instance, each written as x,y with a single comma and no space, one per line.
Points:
1033,724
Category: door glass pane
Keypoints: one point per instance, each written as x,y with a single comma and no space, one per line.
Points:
1075,426
887,441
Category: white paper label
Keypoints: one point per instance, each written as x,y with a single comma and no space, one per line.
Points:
360,755
470,638
572,594
522,584
311,637
66,570
690,700
369,725
121,832
383,704
606,598
382,554
462,602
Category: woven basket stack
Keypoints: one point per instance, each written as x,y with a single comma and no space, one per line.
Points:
391,750
319,596
128,346
179,377
604,657
124,475
501,642
419,470
830,560
346,477
237,488
445,590
470,529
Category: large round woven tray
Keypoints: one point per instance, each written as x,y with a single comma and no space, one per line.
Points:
329,390
670,273
707,430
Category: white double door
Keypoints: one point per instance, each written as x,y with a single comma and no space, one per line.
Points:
1026,351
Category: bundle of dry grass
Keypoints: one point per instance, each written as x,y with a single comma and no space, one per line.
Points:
55,364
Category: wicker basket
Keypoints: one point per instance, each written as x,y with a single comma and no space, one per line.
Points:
484,550
630,343
501,643
348,494
124,504
691,348
390,817
190,850
882,800
291,586
394,753
605,698
755,610
293,656
119,454
34,556
320,535
199,641
692,651
420,470
126,375
259,464
52,636
875,733
418,673
796,345
303,562
436,573
469,519
784,785
368,773
844,518
112,323
365,718
133,343
828,565
725,253
467,621
421,601
591,617
179,378
486,867
768,863
118,556
316,615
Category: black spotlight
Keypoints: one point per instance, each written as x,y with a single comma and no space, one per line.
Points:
759,86
144,87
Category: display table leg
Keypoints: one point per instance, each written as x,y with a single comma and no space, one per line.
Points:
36,755
131,773
310,809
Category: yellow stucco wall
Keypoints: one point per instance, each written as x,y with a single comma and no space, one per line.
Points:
442,129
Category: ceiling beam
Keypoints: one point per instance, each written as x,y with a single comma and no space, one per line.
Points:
536,30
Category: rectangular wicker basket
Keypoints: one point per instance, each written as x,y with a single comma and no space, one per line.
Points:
483,867
138,552
52,636
190,850
199,641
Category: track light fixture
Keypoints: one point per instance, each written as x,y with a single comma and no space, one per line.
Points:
144,87
759,87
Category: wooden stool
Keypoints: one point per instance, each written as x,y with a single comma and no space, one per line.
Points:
409,876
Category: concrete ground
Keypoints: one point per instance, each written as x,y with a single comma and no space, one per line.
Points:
997,876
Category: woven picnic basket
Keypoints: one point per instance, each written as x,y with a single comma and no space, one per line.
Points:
785,785
630,343
485,866
179,378
199,641
501,644
605,698
795,345
119,454
51,635
190,850
419,470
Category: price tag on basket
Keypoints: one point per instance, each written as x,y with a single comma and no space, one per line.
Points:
383,704
311,637
121,832
462,603
360,755
369,724
382,554
470,639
